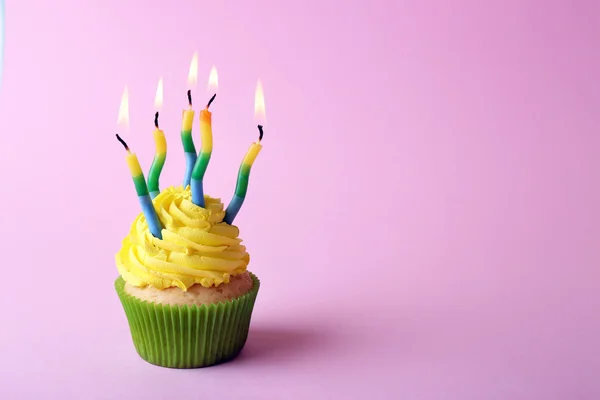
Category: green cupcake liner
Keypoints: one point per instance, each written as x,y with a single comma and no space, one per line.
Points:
188,336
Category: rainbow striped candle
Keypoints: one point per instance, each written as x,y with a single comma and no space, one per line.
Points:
161,147
241,187
188,142
186,125
159,160
142,191
197,184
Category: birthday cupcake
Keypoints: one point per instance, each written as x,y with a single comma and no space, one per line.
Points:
184,283
188,296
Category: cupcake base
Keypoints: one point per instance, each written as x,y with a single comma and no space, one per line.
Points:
188,336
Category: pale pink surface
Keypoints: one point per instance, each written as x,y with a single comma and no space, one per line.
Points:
423,217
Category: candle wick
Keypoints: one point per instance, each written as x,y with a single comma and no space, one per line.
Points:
189,93
122,142
260,132
156,120
211,100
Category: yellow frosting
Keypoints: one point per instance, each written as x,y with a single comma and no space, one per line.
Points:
197,247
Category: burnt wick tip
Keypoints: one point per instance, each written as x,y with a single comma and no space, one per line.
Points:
211,100
122,142
260,132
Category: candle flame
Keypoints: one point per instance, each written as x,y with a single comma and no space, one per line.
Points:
158,99
213,80
193,75
123,120
259,104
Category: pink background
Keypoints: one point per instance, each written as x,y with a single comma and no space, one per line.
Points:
423,216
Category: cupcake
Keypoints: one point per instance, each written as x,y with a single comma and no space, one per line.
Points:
188,297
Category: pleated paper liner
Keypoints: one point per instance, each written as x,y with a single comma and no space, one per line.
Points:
188,336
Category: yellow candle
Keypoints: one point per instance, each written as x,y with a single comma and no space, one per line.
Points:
251,155
188,120
160,141
206,116
206,131
188,115
135,169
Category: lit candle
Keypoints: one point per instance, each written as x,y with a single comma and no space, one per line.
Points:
186,125
161,147
137,174
197,184
241,186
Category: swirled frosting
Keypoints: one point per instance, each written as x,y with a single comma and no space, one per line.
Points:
196,248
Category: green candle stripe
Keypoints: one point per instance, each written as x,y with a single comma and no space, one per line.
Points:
140,185
155,170
188,142
201,166
242,182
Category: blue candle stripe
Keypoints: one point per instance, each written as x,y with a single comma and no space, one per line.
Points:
154,194
190,160
233,208
151,216
197,192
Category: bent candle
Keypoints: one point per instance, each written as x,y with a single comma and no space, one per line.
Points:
241,187
187,141
161,146
159,159
197,185
186,124
142,191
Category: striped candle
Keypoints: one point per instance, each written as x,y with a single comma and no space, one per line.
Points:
160,142
197,184
160,156
142,191
186,125
241,187
188,143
